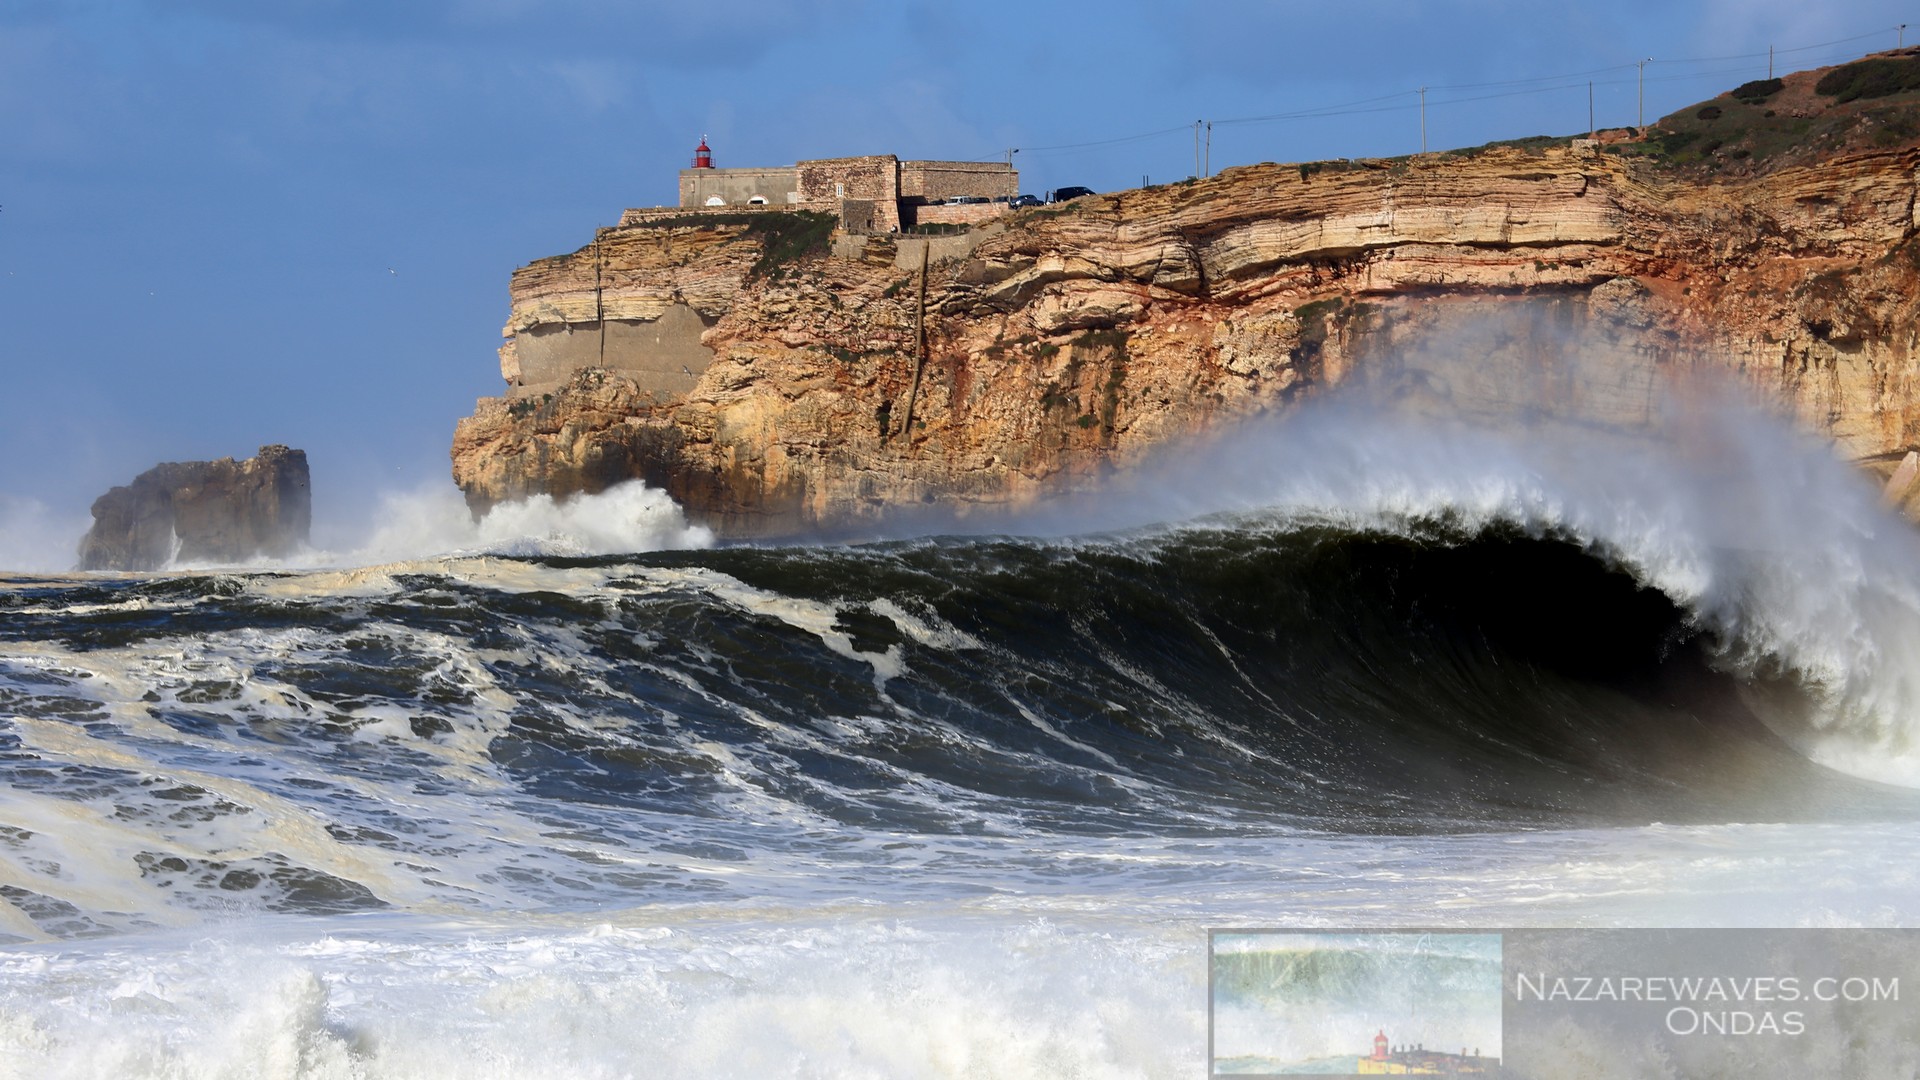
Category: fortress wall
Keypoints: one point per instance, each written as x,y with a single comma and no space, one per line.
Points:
945,179
864,191
737,186
640,215
830,182
664,355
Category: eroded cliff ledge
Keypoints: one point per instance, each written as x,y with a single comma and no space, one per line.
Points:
1046,349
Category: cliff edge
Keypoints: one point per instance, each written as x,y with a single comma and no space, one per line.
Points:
776,378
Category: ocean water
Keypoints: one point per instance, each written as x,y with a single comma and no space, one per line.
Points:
577,792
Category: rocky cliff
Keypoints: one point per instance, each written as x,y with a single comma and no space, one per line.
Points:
223,511
818,390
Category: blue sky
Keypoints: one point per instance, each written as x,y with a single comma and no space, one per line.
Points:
231,222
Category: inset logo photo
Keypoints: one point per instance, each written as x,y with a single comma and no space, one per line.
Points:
1301,1003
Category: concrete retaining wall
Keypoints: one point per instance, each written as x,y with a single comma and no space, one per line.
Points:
664,355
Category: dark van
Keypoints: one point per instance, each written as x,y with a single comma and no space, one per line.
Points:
1065,193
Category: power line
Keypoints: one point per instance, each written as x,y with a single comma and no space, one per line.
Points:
1795,49
1533,79
1321,110
1106,142
1409,100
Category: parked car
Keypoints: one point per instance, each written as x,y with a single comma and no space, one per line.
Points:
1073,191
1024,200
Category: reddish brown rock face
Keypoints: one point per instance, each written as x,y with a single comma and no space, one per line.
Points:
1064,343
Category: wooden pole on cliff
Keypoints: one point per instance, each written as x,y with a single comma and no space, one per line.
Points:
599,299
1423,119
919,345
1640,117
1209,162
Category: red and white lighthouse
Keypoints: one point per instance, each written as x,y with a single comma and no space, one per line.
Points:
1380,1046
702,155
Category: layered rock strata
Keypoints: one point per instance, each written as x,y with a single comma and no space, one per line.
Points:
186,512
1036,354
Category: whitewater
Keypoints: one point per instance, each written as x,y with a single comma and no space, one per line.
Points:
576,791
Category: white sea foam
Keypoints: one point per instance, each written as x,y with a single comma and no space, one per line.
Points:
804,998
434,522
625,518
35,538
1107,982
426,523
839,952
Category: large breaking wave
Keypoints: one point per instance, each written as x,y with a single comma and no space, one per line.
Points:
1347,626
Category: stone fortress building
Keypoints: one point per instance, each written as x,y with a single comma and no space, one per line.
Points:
877,193
654,337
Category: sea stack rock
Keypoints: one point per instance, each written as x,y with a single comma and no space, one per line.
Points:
221,511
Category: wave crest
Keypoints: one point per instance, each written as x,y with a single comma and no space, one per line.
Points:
433,522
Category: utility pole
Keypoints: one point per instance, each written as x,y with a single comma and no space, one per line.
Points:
919,346
1011,150
1423,119
1590,131
1769,61
1196,147
1209,171
1641,116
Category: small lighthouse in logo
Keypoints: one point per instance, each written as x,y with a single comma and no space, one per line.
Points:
1414,1059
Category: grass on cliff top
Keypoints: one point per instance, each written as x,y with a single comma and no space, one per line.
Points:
1532,144
1872,103
784,236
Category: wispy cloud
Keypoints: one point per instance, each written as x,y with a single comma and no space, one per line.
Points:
662,35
